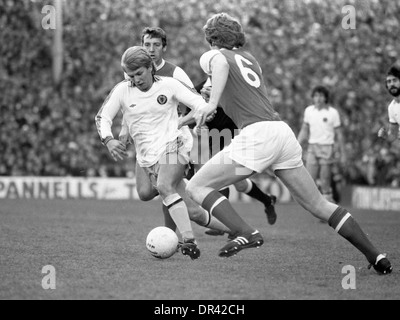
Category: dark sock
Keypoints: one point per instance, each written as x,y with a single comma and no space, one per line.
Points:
256,193
220,207
169,223
225,192
344,224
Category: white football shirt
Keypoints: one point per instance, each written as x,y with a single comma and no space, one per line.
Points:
151,116
322,124
394,112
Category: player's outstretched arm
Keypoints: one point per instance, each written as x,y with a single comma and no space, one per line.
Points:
186,120
124,136
219,70
104,120
189,118
219,75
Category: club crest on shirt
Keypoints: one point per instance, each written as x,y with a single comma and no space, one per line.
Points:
161,99
325,120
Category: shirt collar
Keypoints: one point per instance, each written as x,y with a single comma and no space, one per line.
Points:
162,64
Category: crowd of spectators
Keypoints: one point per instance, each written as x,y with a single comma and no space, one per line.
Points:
49,130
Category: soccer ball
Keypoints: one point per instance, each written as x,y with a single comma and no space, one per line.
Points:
162,242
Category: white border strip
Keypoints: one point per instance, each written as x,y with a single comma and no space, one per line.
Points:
341,223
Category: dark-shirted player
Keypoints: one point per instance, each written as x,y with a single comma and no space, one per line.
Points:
222,122
264,142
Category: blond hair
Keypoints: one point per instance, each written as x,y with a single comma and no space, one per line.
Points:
135,58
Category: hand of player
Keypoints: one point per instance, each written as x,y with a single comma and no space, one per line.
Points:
206,92
211,116
382,133
117,149
200,116
125,139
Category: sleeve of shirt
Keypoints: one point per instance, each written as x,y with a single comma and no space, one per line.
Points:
107,113
336,119
206,59
187,95
124,127
391,116
183,77
306,118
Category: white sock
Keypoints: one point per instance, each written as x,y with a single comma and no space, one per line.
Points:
179,213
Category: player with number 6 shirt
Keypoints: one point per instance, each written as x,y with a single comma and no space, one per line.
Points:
264,142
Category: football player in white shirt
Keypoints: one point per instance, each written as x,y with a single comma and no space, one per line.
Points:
154,40
321,127
393,86
149,105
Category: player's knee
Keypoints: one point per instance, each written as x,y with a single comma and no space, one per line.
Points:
165,189
145,195
190,189
197,215
241,186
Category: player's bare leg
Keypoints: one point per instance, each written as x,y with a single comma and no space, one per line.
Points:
252,190
220,172
325,181
170,175
147,192
305,192
145,189
198,214
314,169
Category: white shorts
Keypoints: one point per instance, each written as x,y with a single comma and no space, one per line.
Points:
182,146
320,154
266,145
187,142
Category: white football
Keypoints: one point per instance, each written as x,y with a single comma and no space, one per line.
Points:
162,242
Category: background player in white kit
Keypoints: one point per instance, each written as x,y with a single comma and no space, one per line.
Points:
393,86
321,128
264,142
149,106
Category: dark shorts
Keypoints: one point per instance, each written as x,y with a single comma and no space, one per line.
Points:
221,123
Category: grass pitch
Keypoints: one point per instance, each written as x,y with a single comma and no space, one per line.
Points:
98,251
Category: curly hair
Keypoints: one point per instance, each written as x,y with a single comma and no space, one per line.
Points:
223,31
394,70
323,90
